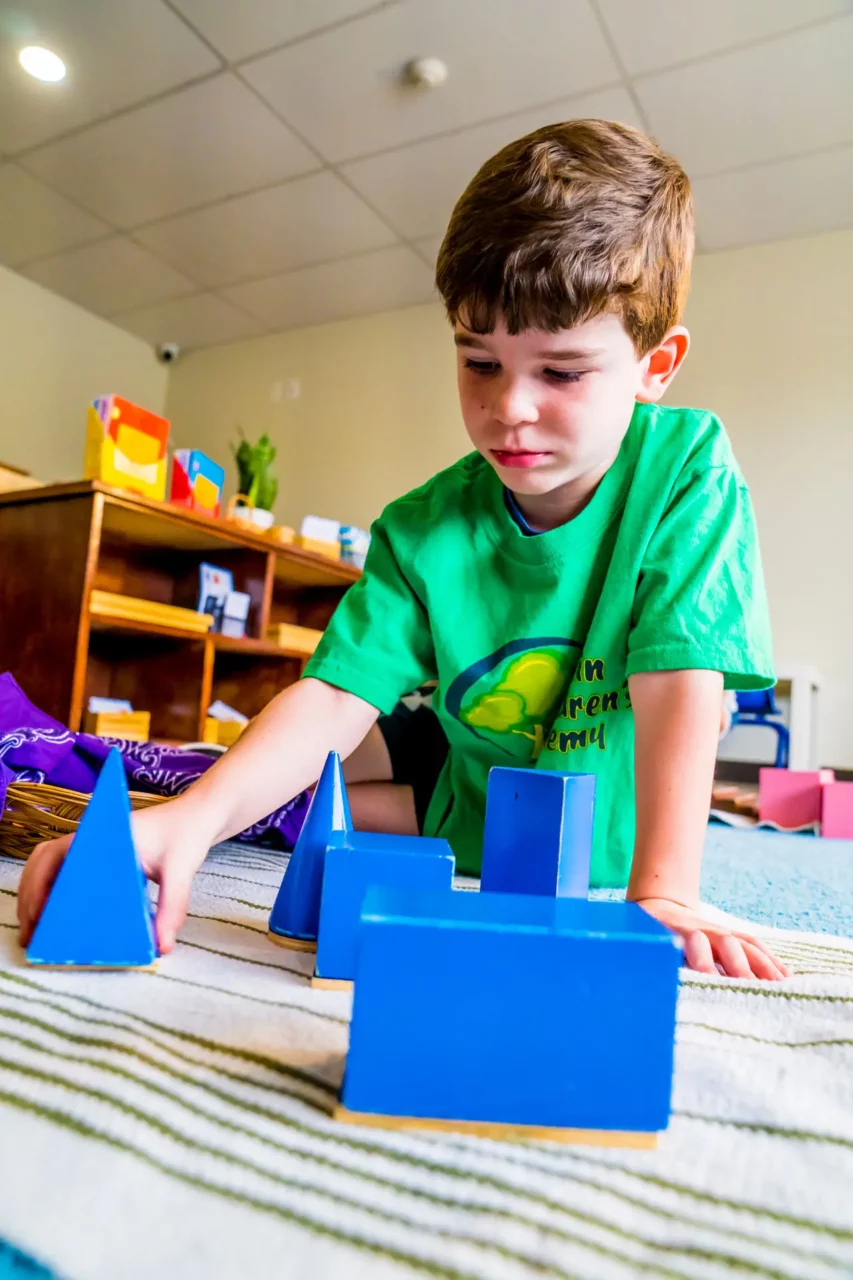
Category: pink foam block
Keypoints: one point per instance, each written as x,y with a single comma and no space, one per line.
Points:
837,818
791,797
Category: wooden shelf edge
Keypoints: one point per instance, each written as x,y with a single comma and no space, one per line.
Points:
248,646
334,571
102,623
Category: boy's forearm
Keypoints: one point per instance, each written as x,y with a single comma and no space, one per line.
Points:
280,754
677,717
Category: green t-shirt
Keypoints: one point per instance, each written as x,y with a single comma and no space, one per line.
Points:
532,639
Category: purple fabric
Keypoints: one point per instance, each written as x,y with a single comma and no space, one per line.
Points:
36,748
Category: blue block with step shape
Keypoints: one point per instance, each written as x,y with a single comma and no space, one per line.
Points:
538,833
356,860
296,911
98,913
514,1010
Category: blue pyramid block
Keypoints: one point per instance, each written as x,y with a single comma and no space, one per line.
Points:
98,911
538,833
296,912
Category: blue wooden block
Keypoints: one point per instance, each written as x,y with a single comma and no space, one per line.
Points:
296,911
98,912
513,1010
538,833
354,861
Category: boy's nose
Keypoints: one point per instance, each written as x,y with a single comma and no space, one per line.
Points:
513,404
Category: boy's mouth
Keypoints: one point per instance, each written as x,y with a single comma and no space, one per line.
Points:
517,457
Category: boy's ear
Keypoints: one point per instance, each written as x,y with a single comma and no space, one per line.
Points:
661,364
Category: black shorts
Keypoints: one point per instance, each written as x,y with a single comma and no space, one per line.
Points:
418,749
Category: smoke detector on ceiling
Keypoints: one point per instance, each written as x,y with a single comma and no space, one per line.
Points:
425,73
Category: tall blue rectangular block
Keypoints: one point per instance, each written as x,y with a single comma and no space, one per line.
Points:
514,1010
356,860
538,833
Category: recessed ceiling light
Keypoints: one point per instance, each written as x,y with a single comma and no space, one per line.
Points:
41,63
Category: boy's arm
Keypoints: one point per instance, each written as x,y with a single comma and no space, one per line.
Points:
677,722
280,754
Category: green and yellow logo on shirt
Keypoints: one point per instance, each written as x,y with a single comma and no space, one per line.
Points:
511,697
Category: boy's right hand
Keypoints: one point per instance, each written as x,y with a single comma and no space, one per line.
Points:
171,846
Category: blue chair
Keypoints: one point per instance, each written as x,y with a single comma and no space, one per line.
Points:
759,707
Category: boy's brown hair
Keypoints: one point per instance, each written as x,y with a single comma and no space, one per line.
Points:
567,223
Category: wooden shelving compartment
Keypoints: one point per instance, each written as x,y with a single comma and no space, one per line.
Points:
60,543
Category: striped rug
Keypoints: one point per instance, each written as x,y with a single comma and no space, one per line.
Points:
177,1123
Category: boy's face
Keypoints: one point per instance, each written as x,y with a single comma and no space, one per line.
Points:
551,409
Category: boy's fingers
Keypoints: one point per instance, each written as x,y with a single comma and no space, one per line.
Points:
731,955
763,964
39,874
697,952
172,906
758,945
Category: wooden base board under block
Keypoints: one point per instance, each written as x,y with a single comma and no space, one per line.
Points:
330,984
502,1132
293,944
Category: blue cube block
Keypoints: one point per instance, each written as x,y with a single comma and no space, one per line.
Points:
354,861
513,1010
538,833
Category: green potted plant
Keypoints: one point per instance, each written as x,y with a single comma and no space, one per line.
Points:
258,487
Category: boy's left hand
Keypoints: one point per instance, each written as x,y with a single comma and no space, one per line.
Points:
711,948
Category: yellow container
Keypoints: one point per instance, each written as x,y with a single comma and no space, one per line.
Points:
126,447
223,733
109,604
132,726
330,549
299,639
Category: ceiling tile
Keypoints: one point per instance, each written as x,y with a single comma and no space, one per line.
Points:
117,52
308,220
238,31
785,97
417,186
110,276
776,201
370,283
653,34
341,89
202,320
36,222
428,249
212,140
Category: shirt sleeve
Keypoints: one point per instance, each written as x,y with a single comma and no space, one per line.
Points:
700,601
378,644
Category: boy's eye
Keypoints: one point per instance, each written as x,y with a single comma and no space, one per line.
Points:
484,367
564,375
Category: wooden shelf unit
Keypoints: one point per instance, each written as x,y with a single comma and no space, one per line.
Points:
61,542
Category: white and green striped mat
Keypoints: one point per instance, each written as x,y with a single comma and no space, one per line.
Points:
176,1124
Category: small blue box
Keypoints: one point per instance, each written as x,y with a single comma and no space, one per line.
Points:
514,1010
538,833
354,861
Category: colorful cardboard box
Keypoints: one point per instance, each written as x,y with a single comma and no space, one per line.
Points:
126,447
197,481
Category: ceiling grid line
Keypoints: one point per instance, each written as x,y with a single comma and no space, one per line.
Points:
626,80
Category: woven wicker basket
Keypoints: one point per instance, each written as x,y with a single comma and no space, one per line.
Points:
36,811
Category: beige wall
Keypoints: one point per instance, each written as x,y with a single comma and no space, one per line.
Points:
54,359
773,355
375,414
772,329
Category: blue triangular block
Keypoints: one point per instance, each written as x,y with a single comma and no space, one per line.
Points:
98,911
296,913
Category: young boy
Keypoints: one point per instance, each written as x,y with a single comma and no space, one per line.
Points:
580,588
